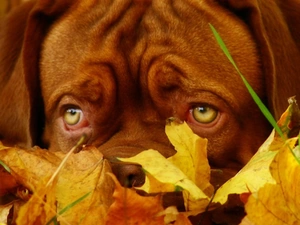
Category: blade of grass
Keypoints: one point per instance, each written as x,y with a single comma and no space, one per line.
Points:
255,97
5,166
54,219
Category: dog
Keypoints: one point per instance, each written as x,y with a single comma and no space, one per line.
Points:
116,70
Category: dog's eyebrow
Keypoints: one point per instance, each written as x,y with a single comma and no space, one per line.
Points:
75,90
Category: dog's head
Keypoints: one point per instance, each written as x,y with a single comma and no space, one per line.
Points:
117,70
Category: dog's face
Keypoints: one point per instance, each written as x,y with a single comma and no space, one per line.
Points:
116,70
116,73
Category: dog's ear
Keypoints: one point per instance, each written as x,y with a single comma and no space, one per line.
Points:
276,27
21,35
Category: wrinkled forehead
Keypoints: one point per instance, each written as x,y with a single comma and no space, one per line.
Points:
130,36
128,26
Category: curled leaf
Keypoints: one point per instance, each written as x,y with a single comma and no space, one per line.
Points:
278,203
256,173
83,174
180,172
191,156
130,208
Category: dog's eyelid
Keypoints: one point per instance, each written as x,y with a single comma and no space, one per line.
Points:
65,107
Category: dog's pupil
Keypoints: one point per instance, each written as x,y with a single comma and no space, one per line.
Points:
72,111
202,109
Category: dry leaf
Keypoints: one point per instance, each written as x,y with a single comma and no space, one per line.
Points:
246,221
191,156
168,176
172,216
252,176
84,174
278,203
256,173
182,220
41,207
4,211
129,208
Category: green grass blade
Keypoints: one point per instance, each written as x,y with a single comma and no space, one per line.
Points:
5,166
54,219
255,97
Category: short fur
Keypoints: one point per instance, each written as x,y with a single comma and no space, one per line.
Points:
131,64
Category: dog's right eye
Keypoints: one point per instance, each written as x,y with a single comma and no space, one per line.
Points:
72,116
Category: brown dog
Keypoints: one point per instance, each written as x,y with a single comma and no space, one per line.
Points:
116,70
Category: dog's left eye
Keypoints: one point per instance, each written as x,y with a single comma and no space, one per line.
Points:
204,114
72,116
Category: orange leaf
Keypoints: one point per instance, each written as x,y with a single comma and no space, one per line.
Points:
182,220
130,208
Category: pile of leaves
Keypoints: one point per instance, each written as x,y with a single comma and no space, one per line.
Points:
42,187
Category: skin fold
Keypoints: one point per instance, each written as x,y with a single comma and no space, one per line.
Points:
116,70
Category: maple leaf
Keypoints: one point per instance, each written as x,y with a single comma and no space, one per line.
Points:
4,211
255,174
131,208
169,175
82,174
41,207
278,203
191,156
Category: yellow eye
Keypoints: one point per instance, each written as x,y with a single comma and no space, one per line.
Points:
72,116
204,114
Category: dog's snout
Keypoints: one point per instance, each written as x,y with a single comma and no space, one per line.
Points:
129,175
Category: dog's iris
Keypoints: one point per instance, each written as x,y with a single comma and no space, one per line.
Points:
204,114
72,116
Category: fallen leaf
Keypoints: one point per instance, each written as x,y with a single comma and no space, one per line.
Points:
191,156
41,207
129,208
169,177
246,221
182,220
4,211
255,174
84,174
278,203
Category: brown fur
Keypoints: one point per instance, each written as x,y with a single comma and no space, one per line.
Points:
130,65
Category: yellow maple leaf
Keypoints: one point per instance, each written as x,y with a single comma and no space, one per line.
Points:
255,174
278,203
41,207
180,172
166,177
191,155
82,175
85,172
